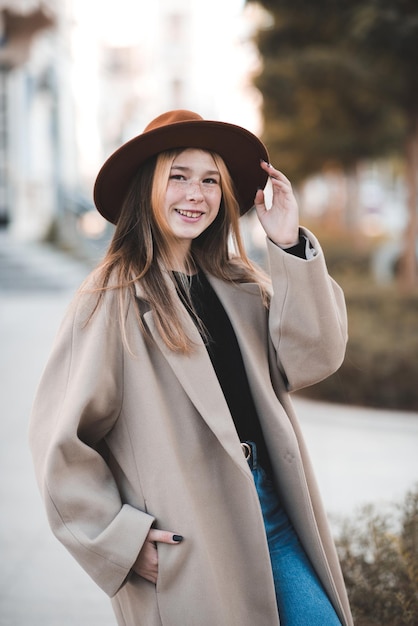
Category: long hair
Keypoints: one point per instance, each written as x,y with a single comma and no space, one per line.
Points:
140,250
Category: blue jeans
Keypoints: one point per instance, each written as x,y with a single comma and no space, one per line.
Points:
301,599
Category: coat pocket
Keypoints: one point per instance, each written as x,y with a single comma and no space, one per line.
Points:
171,560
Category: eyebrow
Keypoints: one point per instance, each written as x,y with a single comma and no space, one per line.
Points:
183,168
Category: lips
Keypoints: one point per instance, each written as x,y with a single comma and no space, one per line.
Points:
189,214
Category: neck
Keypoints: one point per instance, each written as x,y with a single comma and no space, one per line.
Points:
189,269
183,263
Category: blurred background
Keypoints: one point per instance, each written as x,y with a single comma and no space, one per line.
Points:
332,89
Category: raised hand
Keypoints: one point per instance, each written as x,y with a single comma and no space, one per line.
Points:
281,220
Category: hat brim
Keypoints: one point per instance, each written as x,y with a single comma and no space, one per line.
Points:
240,149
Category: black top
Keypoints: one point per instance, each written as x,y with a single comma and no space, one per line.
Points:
225,354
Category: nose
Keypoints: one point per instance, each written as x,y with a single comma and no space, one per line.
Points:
194,191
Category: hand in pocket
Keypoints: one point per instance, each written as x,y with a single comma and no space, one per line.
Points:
146,564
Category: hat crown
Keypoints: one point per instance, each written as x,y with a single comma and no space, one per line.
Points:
172,117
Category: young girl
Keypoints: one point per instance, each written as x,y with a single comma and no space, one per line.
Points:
165,444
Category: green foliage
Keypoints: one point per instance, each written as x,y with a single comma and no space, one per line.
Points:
387,32
339,81
379,558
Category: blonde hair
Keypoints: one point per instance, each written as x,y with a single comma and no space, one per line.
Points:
140,250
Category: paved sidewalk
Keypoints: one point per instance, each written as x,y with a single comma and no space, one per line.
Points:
36,267
360,455
40,584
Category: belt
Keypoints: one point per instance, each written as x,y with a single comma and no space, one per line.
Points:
246,449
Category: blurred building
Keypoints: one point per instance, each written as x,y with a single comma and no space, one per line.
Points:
75,84
35,144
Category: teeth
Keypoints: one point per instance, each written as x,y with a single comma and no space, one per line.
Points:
189,213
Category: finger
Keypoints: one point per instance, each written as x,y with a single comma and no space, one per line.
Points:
273,173
280,187
259,198
146,565
164,536
280,177
259,203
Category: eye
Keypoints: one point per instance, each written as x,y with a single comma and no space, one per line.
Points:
177,177
211,181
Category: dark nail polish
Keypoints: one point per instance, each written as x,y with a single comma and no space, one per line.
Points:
177,538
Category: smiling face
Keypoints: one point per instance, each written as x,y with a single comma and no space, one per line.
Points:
192,198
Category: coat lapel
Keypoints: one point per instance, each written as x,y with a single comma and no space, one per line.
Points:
198,379
247,327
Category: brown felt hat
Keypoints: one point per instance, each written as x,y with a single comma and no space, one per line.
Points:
240,149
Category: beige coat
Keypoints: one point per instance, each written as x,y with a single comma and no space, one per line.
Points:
122,441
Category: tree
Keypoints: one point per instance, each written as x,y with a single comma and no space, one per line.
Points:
339,86
386,33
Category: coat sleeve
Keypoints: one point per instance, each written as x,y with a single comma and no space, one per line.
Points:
308,318
77,403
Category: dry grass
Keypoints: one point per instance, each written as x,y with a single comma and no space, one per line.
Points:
379,557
